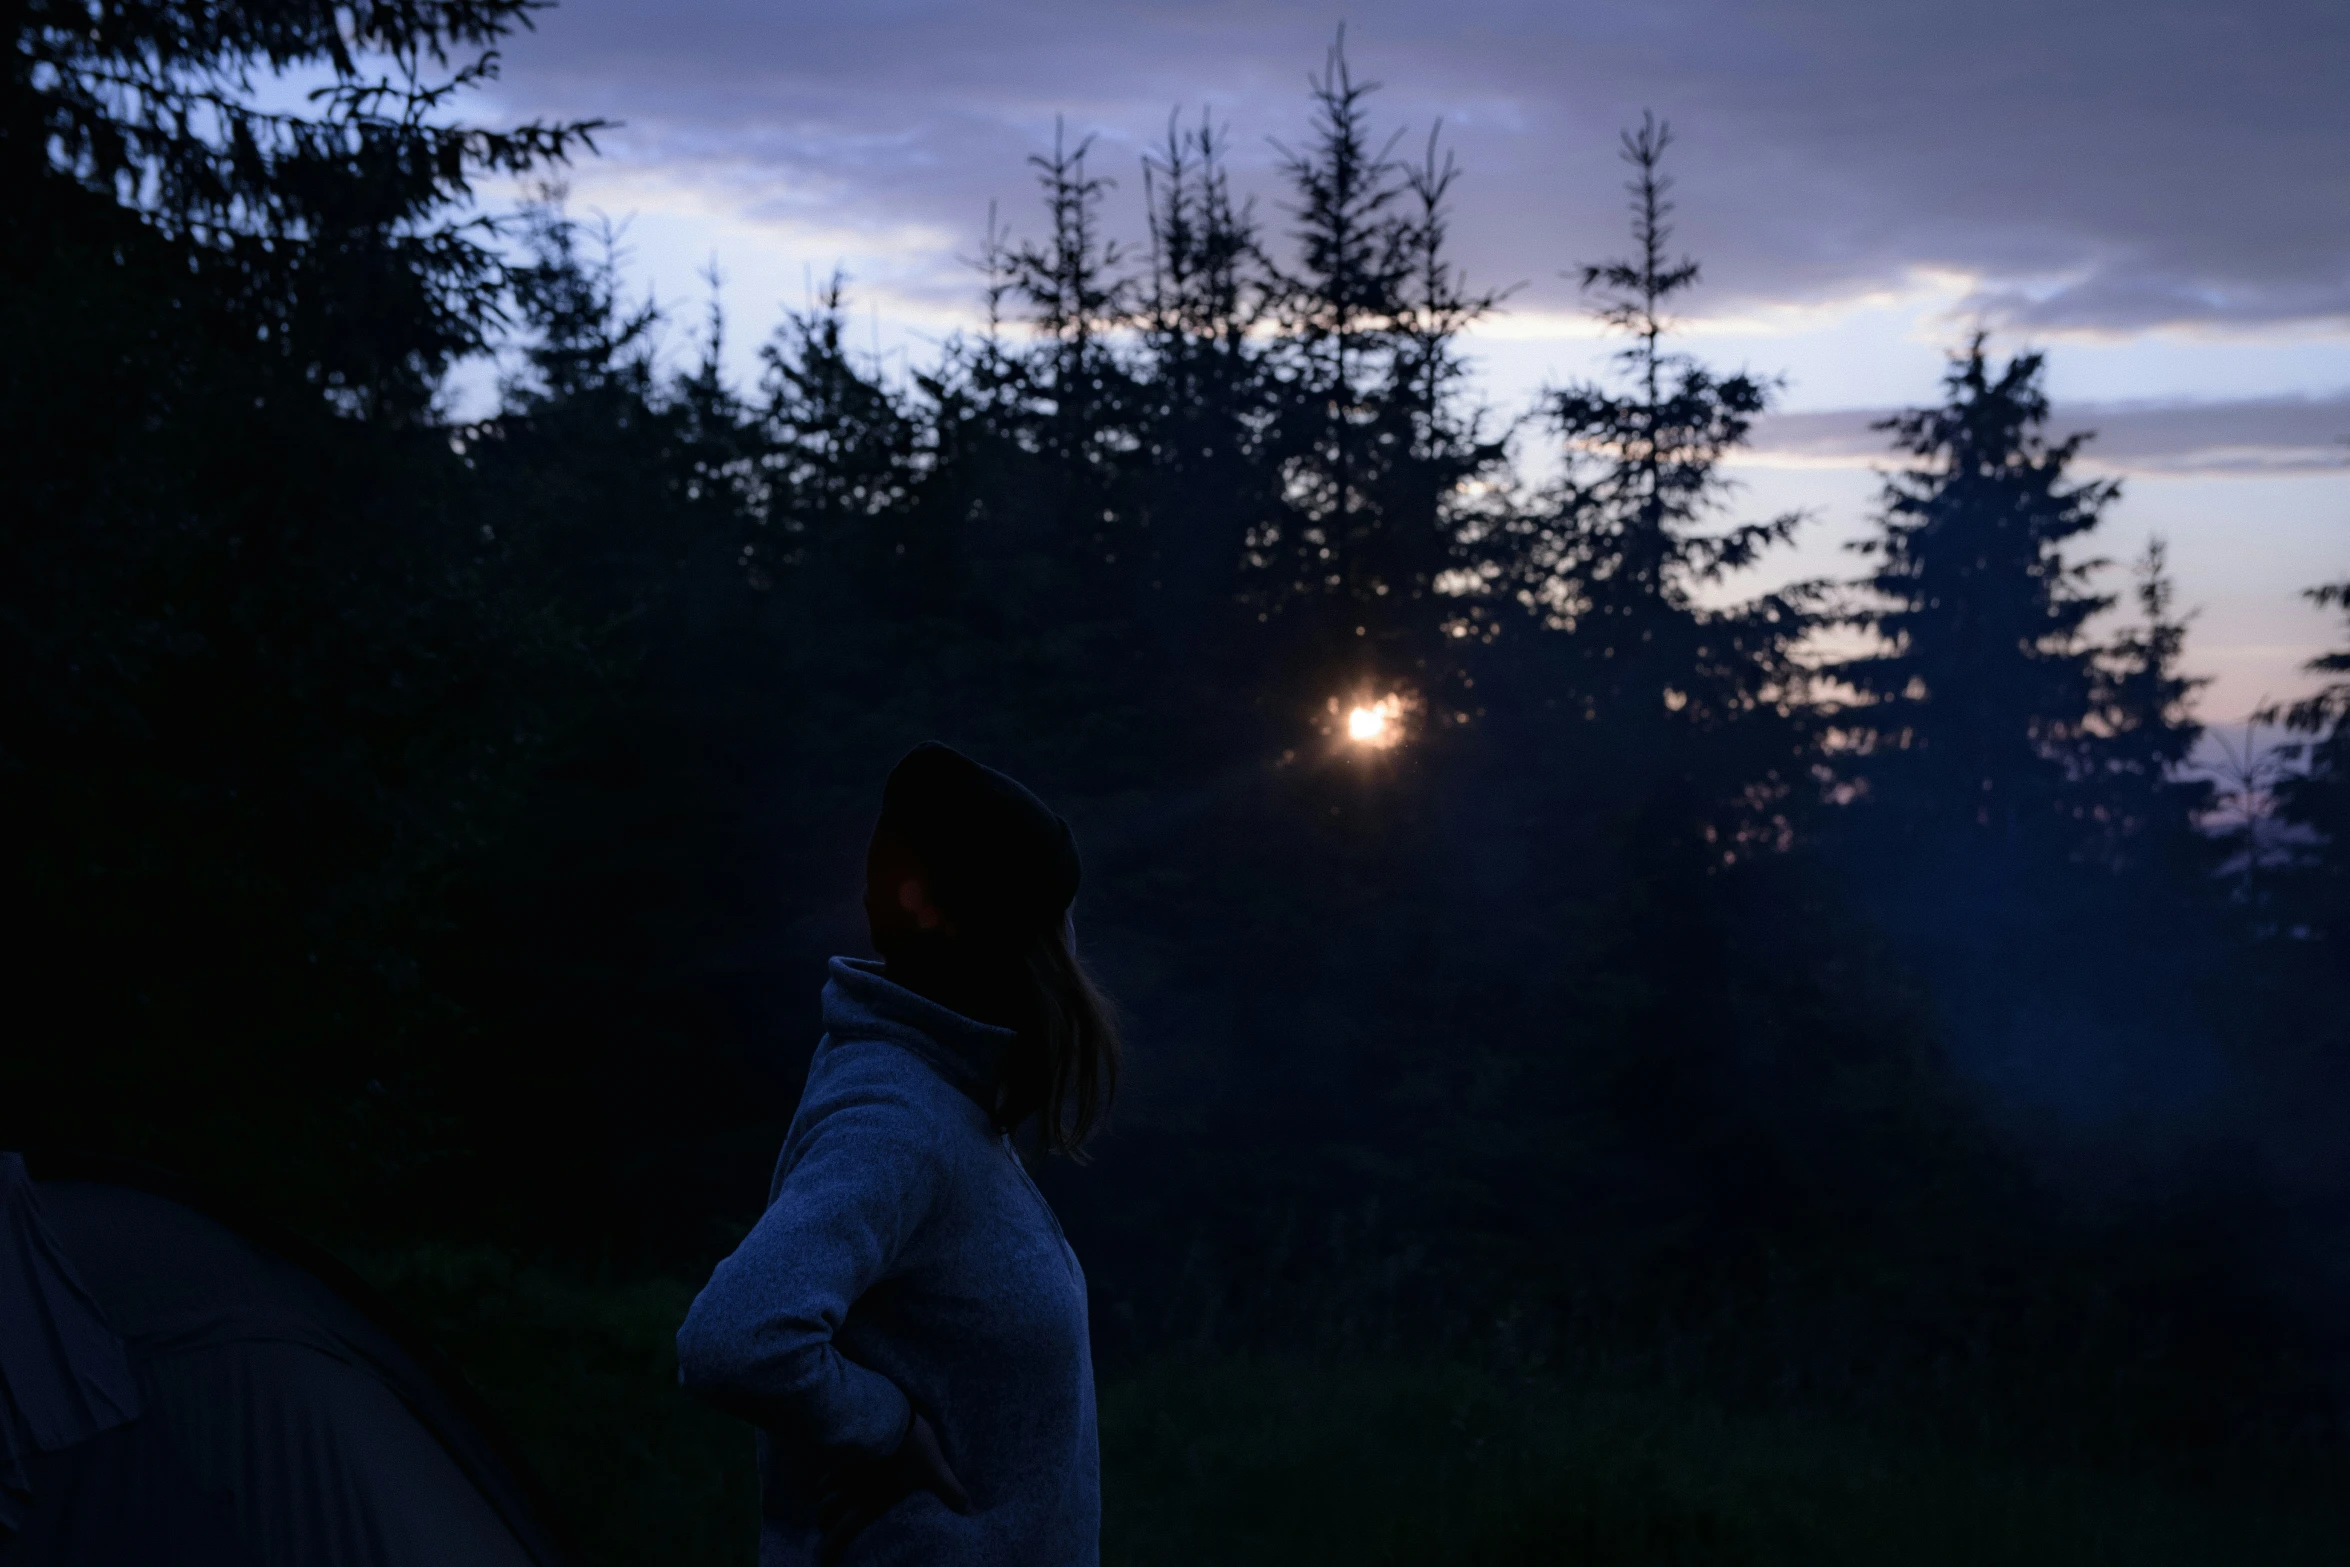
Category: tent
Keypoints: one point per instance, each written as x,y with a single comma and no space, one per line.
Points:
180,1384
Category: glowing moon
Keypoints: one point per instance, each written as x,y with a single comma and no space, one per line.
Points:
1377,725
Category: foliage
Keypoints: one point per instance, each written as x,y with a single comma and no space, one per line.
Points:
438,828
1259,1461
1373,1458
2142,807
1364,427
333,230
584,1376
2318,799
270,674
1978,700
1702,708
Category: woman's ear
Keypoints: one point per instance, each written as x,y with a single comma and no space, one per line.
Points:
914,898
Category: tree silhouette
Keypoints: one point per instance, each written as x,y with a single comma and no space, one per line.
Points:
1978,703
1203,388
1074,292
1338,309
1365,430
273,677
1644,464
2317,800
1610,560
839,460
440,823
2140,811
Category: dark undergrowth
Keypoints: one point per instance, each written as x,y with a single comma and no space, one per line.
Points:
1240,1459
1246,1462
585,1376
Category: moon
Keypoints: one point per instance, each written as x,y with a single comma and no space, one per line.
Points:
1377,725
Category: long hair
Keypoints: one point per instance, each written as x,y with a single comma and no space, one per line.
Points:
1062,1072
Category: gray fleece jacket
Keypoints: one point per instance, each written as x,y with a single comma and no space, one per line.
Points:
906,1261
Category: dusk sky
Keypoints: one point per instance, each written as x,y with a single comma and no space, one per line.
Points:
2156,194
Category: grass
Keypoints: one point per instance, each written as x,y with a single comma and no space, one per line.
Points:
585,1378
1239,1463
1236,1461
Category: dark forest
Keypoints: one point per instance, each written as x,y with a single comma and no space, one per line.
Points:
1557,991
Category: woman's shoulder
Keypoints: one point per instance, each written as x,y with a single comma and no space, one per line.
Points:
869,1102
878,1082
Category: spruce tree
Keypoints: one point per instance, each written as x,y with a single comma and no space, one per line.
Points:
2317,799
1628,546
1976,705
1208,285
1337,310
1608,565
1445,450
1057,428
2138,811
1075,296
1202,384
1365,427
838,463
273,671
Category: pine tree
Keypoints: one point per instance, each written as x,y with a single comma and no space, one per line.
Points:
1037,449
1445,448
273,670
1365,426
335,228
1608,564
1976,708
1202,385
600,477
1643,463
578,338
1208,286
1337,311
2140,814
2317,800
1075,295
839,461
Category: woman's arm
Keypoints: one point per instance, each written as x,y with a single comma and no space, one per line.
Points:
758,1341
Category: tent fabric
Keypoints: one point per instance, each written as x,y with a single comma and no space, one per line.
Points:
64,1375
123,1499
288,1409
321,1462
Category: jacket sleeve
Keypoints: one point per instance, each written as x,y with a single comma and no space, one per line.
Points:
758,1341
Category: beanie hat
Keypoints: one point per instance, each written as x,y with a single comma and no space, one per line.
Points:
999,861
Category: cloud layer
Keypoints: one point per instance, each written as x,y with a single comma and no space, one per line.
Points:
2270,435
2159,191
2098,166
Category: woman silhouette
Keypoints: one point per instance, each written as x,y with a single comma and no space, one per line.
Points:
906,1325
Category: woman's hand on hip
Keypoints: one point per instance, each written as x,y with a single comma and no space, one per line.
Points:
860,1493
927,1463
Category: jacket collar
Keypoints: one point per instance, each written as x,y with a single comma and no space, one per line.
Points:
860,1003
